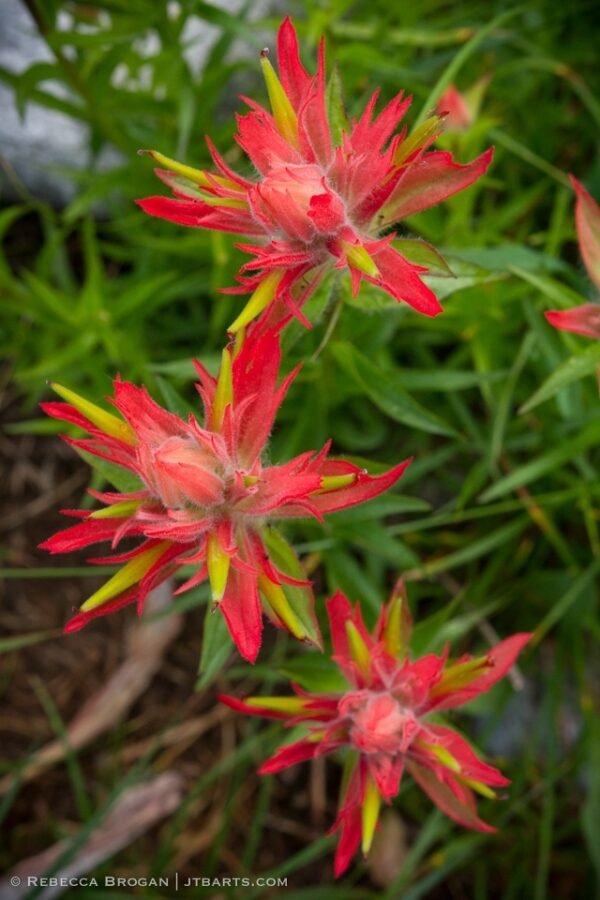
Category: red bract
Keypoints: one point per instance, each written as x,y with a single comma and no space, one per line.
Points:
321,200
584,319
205,496
383,718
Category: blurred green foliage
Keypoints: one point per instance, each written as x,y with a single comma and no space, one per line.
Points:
497,519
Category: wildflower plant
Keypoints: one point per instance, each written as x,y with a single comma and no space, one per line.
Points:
386,720
205,498
327,193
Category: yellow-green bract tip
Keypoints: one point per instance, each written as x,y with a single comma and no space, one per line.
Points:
260,299
277,600
370,813
283,111
106,422
358,649
224,392
218,563
126,577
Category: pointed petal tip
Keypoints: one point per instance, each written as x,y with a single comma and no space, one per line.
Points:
517,642
74,624
316,641
339,867
576,184
488,155
248,647
433,310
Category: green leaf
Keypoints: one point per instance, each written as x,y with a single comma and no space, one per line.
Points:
334,102
172,399
184,368
370,298
31,78
471,551
51,366
525,153
590,813
430,635
300,599
561,607
445,379
509,256
7,217
346,574
377,541
545,463
554,290
385,389
465,275
93,289
34,426
315,673
573,369
216,647
9,644
448,276
459,59
138,295
386,505
420,253
505,401
60,305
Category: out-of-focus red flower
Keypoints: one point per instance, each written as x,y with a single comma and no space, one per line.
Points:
205,495
461,108
326,196
454,106
584,319
387,719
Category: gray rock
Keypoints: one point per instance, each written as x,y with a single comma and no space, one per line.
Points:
36,144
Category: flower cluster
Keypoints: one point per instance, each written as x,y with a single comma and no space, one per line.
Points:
322,200
382,718
328,194
205,498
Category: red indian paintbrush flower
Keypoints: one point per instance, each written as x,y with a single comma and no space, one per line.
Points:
320,200
461,108
584,319
205,497
383,718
